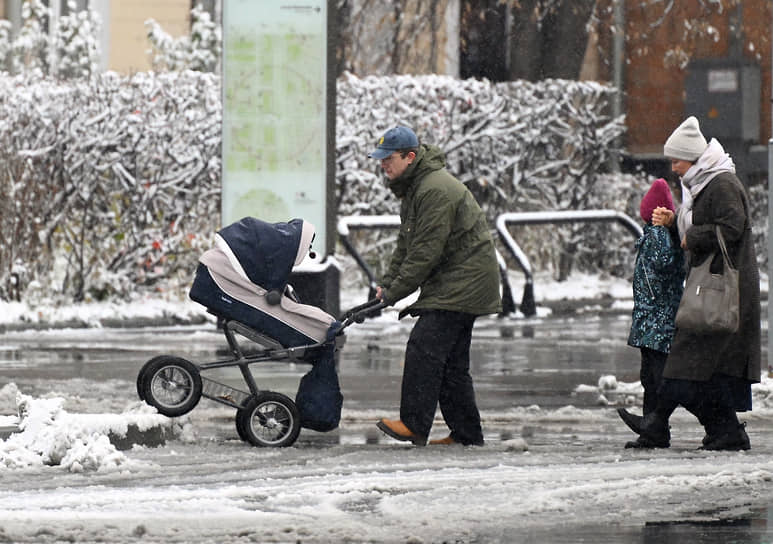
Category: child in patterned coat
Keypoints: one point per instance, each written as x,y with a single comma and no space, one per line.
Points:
658,280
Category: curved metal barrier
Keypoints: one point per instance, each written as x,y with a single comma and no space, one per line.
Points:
528,305
348,222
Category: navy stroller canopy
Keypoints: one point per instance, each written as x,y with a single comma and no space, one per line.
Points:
244,279
265,253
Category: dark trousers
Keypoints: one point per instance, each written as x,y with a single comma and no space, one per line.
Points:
651,374
713,402
437,370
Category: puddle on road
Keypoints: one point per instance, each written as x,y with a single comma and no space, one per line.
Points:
754,528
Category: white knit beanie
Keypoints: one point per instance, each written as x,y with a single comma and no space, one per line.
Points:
686,142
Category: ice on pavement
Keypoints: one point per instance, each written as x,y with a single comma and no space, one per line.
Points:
542,469
49,435
52,436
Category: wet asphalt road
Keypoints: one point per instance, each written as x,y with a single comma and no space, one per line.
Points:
514,362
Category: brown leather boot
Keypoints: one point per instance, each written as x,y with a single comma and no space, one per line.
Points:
397,430
447,441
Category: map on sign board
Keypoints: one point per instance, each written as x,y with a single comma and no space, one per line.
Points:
274,114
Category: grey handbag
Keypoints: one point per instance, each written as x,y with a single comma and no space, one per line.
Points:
709,303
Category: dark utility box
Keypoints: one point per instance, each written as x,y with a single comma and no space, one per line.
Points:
319,287
724,94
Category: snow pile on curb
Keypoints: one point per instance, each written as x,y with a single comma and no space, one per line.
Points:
99,314
49,435
611,392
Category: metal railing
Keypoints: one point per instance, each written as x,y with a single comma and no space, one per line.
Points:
528,305
348,222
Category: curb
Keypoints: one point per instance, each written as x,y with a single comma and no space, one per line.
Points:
109,323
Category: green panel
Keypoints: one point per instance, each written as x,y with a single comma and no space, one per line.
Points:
274,112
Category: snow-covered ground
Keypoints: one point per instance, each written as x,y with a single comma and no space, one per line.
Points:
545,475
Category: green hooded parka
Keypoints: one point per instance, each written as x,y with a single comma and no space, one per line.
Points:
444,245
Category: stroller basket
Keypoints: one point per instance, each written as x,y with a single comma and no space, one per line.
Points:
223,393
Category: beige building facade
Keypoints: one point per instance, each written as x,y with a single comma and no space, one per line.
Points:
126,35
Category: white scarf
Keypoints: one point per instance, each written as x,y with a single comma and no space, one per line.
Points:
713,162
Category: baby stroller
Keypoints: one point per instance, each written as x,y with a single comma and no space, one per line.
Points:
243,282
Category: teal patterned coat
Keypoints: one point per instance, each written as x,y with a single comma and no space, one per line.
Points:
658,281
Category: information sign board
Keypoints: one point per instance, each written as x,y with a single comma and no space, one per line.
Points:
275,112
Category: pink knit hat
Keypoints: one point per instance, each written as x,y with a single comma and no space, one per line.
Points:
658,195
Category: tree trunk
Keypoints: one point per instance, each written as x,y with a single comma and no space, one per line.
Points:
551,44
483,41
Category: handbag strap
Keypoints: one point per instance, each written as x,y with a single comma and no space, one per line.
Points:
723,248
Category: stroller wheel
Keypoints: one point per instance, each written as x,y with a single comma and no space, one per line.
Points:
171,384
270,419
140,386
239,428
240,419
142,374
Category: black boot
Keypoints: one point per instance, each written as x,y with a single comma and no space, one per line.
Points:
713,431
652,428
640,443
632,420
723,430
732,438
634,423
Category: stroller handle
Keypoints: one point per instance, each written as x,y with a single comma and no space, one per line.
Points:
359,313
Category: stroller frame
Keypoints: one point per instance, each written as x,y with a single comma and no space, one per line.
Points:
174,385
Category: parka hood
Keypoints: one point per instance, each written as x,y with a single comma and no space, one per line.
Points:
428,159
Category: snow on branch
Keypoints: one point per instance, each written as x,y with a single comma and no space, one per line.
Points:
519,146
107,176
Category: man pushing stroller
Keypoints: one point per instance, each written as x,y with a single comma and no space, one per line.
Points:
444,247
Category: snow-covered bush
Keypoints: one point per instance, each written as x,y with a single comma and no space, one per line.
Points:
6,45
29,51
77,47
71,51
111,182
519,146
200,51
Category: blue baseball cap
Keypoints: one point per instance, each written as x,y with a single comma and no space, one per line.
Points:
393,140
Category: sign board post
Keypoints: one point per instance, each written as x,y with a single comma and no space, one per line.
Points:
278,133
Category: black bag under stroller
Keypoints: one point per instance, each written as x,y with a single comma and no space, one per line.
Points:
243,281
